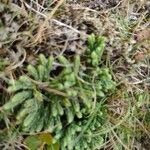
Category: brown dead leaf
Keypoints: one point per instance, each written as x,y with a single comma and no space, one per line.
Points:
139,56
143,35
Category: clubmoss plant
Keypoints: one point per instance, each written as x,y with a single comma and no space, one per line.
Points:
69,104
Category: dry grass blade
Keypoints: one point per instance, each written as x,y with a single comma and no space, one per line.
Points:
43,27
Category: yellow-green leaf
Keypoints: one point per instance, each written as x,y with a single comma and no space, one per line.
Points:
46,138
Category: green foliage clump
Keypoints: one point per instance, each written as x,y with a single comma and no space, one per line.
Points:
70,103
96,47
